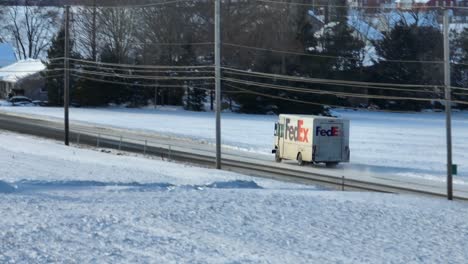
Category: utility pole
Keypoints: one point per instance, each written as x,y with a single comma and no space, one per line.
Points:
217,22
66,94
448,103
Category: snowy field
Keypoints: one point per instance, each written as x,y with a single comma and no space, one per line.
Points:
71,205
399,144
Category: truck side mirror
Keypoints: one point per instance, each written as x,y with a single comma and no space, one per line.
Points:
276,129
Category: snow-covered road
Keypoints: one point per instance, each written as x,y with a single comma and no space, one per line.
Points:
410,145
73,205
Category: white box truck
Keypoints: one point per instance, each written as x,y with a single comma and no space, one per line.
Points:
315,139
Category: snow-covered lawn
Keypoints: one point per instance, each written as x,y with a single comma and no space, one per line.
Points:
71,205
400,144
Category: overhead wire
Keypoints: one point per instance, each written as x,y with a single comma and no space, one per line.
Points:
137,6
324,92
321,80
354,85
143,70
279,97
326,56
30,71
314,103
132,84
141,77
458,88
143,66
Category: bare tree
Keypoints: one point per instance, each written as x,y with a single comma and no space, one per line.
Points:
117,32
31,29
86,25
175,25
2,18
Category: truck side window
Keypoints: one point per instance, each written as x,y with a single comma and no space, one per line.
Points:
281,130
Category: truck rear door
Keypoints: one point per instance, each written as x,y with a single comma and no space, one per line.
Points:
328,142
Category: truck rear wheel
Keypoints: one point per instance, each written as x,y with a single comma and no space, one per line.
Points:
299,160
277,156
331,164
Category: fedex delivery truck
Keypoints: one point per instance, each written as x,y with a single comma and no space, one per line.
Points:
315,139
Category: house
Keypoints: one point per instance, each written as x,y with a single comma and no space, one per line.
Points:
7,54
23,78
430,3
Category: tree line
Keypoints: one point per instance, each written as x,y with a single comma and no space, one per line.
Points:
331,42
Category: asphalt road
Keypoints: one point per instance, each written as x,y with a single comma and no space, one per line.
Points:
256,164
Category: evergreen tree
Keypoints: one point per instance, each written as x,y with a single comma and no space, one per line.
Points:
338,55
410,43
54,80
195,95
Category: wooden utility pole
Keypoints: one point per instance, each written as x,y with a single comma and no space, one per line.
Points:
66,94
217,22
448,103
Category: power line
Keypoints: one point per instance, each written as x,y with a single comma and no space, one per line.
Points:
137,6
458,88
314,103
141,77
141,66
30,71
326,56
322,92
353,85
279,97
131,84
145,71
331,81
56,59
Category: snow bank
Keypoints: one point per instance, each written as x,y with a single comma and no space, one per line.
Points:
6,187
78,205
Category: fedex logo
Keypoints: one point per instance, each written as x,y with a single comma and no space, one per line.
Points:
296,132
332,132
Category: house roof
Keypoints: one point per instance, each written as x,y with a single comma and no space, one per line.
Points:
7,54
20,70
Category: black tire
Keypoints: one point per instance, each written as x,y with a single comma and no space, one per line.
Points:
300,162
331,164
278,159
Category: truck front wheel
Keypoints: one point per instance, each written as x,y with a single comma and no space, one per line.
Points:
299,160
